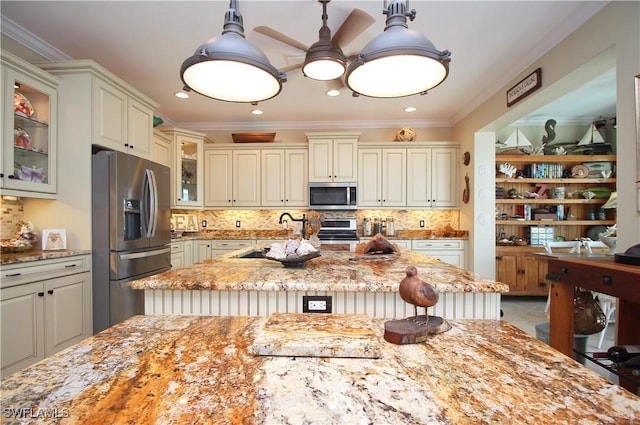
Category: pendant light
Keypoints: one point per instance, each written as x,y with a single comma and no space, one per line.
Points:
230,67
399,62
324,60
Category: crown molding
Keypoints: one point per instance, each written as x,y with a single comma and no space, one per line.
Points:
31,41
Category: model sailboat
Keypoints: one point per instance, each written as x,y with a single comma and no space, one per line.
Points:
592,143
516,143
592,136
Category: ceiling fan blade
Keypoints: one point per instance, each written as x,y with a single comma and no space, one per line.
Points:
291,67
271,33
355,24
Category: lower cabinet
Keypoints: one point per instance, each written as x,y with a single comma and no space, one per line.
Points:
450,251
181,254
43,317
522,271
220,247
201,250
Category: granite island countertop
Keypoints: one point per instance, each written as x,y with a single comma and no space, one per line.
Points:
200,370
332,271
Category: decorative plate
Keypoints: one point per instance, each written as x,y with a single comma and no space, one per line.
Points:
21,105
580,171
295,261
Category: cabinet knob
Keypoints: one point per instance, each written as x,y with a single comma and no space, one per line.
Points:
498,257
11,176
607,280
1,175
50,292
41,294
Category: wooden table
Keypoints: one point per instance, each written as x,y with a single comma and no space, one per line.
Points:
600,274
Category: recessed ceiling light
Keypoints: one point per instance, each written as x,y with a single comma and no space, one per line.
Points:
256,112
333,92
410,109
181,95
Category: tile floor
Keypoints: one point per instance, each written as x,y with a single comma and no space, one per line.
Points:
526,312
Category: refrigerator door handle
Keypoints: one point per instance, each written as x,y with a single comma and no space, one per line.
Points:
144,254
152,199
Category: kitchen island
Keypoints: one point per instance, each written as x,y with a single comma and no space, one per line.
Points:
200,370
358,284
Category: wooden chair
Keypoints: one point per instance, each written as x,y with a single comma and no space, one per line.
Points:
607,302
549,246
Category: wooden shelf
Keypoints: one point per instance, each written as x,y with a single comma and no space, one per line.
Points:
558,159
556,223
569,180
584,201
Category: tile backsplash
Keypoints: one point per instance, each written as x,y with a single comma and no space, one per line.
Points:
12,214
268,219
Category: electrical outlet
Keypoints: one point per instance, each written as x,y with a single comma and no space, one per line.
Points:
316,304
421,223
237,223
203,223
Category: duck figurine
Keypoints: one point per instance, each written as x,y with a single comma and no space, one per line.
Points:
415,291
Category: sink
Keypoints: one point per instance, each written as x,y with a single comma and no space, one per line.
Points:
251,254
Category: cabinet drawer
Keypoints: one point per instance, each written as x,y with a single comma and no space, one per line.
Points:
177,247
437,244
402,243
18,274
231,244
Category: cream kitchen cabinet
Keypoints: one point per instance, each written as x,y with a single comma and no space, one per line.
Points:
232,178
45,307
181,253
201,250
432,177
29,132
333,157
222,246
121,117
382,177
187,170
451,251
285,178
121,121
162,151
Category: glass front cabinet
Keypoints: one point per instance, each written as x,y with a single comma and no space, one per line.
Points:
29,106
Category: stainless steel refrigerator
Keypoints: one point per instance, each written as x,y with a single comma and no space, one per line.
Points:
131,232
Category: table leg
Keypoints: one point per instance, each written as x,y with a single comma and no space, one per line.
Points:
561,318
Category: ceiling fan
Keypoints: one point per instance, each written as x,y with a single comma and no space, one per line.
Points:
324,60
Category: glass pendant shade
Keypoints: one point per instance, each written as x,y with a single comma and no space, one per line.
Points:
399,62
230,67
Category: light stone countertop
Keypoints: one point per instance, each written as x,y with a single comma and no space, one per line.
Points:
37,255
332,271
199,370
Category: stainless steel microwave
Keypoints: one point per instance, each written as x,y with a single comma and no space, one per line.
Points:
333,196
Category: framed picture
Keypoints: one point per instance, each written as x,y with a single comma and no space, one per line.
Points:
53,239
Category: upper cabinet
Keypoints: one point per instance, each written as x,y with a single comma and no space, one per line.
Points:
333,157
161,151
432,177
187,170
29,119
120,117
285,178
120,121
232,178
382,176
412,175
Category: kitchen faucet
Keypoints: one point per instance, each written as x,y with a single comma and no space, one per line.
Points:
303,220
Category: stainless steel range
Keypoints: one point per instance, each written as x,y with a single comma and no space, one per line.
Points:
339,233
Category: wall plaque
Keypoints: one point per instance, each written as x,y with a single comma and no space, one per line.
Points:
525,87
